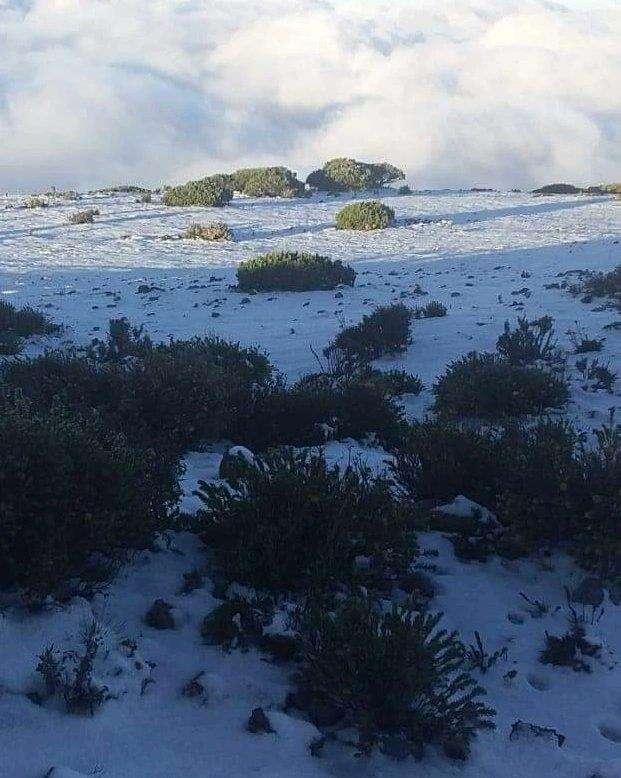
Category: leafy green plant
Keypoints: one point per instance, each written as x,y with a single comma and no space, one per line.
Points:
206,192
369,215
603,284
267,182
345,175
528,342
213,231
393,673
384,331
484,386
290,520
292,271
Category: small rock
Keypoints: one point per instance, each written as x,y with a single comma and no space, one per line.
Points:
258,722
194,688
159,615
522,730
235,462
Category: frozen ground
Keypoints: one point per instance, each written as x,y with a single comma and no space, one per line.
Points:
488,257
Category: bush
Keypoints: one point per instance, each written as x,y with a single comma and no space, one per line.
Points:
19,323
346,175
395,675
433,310
604,284
292,271
404,190
371,215
385,331
319,406
290,521
206,192
213,231
84,217
70,491
558,189
267,182
35,202
169,396
482,385
529,342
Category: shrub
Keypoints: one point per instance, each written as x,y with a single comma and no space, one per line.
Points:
213,231
585,345
404,190
84,217
394,675
371,215
292,271
345,175
433,310
267,182
604,284
482,385
569,650
558,189
35,202
529,342
206,192
19,323
290,521
237,623
319,406
71,490
385,331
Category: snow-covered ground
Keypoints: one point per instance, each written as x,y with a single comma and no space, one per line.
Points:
488,257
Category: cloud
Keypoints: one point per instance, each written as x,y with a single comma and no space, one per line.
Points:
480,92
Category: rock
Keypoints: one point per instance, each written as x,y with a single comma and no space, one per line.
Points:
258,722
159,615
235,462
522,730
589,592
194,688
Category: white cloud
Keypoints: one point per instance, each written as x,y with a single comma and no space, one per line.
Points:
480,92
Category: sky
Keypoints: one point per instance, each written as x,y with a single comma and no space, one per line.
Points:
458,93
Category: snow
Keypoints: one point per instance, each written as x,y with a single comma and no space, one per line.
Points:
472,251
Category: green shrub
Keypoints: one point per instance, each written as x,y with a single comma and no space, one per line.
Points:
267,182
558,189
84,217
528,342
206,192
611,188
213,231
385,331
404,190
71,490
433,310
604,284
346,175
19,323
482,385
237,623
393,674
35,202
320,405
292,271
290,521
366,216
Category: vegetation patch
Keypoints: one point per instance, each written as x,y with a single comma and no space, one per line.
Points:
385,331
206,192
16,324
84,217
292,271
346,175
365,216
267,182
213,231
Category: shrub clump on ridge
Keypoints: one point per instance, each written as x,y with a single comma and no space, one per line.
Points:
347,175
213,231
206,192
84,217
369,215
485,386
292,271
267,182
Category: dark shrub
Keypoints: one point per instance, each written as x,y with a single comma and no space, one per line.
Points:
84,217
267,182
570,650
17,324
432,310
71,490
344,175
370,215
558,189
292,271
604,284
529,342
290,521
213,231
482,385
385,331
395,674
237,623
320,406
206,192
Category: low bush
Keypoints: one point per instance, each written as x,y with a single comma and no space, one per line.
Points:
366,216
35,202
528,342
558,189
346,175
237,623
385,331
70,491
19,323
267,182
604,284
395,675
290,521
292,271
484,386
84,217
433,310
213,231
206,192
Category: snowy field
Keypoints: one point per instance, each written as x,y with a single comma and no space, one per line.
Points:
489,257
